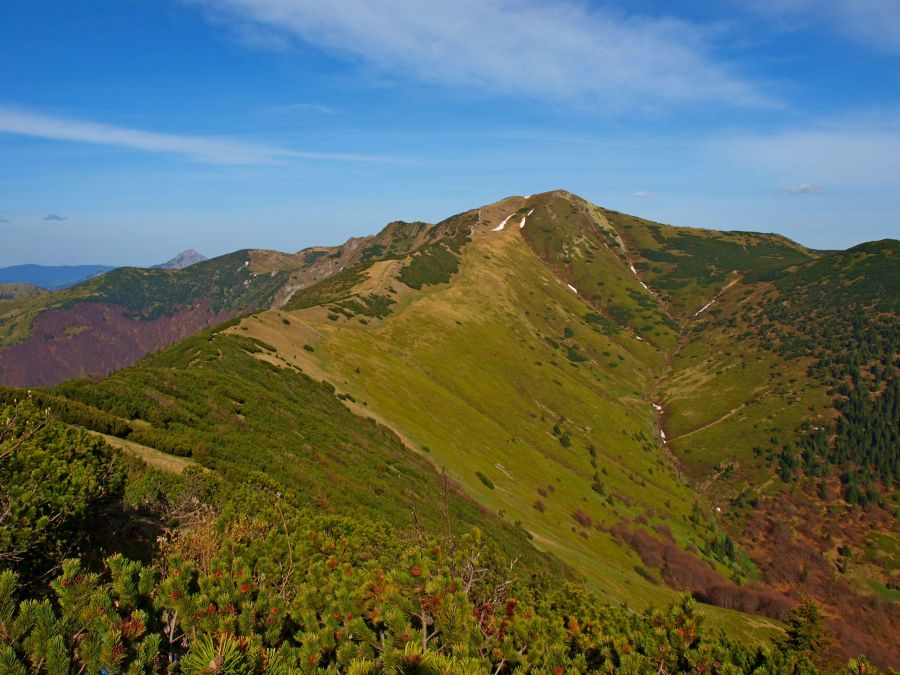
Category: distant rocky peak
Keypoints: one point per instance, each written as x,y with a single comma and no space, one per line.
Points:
182,260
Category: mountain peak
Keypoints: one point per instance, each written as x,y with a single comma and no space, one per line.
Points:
182,260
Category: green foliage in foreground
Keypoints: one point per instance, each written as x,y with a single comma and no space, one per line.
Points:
51,480
263,590
250,579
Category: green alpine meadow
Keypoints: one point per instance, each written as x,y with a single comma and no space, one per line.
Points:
538,436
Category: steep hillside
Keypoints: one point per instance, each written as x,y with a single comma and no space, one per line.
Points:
577,391
782,404
486,361
787,347
212,399
687,267
661,409
248,577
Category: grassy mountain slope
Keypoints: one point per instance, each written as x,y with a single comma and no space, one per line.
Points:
582,246
210,398
528,396
688,267
654,406
396,239
489,359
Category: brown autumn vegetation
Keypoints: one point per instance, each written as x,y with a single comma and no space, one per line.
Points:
684,571
95,339
794,538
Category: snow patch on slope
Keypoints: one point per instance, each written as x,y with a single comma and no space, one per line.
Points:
522,224
704,308
503,224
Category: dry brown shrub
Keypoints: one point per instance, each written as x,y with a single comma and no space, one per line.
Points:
582,518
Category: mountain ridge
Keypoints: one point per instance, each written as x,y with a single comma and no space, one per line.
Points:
636,397
697,278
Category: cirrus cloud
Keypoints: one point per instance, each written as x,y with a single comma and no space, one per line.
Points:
804,189
199,148
539,49
859,153
871,23
304,107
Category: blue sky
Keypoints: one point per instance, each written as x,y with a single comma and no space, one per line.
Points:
133,129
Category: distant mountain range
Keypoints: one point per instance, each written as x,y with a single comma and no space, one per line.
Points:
57,277
51,277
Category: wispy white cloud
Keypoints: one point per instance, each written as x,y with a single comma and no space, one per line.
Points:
872,23
55,218
541,48
804,189
199,148
304,107
860,153
641,194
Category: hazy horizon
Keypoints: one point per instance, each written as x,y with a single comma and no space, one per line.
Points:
212,254
131,131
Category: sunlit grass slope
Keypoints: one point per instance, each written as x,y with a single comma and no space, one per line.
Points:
210,398
527,395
